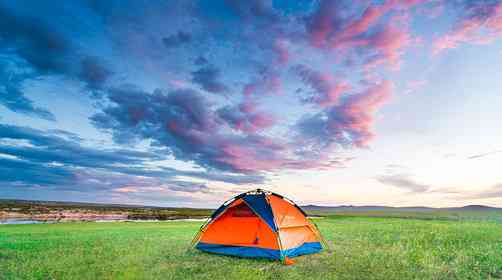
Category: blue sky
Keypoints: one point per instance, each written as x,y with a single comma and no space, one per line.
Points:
186,103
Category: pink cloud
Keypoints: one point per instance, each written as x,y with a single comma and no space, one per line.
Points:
364,35
434,10
389,44
406,4
249,89
466,32
335,90
273,84
266,155
370,100
370,16
281,50
248,106
262,120
268,83
260,154
254,122
349,124
327,89
358,112
126,189
246,117
322,22
482,25
234,137
326,28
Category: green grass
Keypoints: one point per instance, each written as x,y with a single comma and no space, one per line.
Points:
361,248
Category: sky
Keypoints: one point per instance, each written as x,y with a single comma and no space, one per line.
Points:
188,103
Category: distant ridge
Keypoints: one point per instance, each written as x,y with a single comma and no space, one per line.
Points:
310,207
84,204
351,208
476,208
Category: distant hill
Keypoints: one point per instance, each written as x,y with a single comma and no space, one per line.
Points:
475,208
91,205
351,208
6,203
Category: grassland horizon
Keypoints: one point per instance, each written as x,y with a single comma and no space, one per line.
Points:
65,211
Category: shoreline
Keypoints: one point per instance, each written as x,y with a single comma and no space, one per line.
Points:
66,216
49,221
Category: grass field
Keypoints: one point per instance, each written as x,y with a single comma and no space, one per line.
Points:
361,248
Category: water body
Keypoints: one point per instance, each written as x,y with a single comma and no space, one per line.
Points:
19,222
28,221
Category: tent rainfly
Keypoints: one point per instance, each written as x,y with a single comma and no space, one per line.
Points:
259,224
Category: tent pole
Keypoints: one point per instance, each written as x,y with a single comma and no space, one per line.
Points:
199,232
319,235
279,242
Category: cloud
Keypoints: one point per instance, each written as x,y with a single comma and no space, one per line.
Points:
245,118
12,97
480,23
33,45
31,48
189,187
388,44
257,43
19,171
94,72
181,120
393,167
46,147
219,176
208,78
331,27
322,23
58,159
403,182
165,187
281,50
34,41
358,26
252,11
180,116
177,39
226,138
348,123
494,191
327,90
484,154
268,83
200,60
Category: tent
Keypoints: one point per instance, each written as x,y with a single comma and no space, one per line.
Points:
259,224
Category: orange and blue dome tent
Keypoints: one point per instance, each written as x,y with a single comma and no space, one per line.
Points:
259,224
